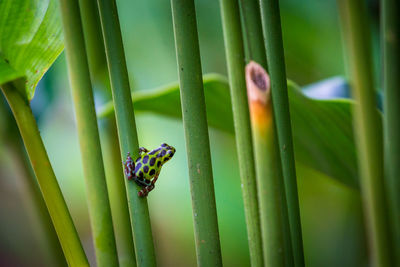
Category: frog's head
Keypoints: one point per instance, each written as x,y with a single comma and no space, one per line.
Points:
167,152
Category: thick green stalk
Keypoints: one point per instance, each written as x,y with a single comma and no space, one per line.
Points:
52,195
391,82
97,195
115,178
271,21
196,133
128,141
270,189
244,145
250,10
117,192
368,129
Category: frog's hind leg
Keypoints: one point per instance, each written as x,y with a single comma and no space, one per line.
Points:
146,190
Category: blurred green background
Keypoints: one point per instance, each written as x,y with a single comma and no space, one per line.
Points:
331,213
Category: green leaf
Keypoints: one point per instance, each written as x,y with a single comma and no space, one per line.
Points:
322,129
30,41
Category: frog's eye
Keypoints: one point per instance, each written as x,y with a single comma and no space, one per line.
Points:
164,145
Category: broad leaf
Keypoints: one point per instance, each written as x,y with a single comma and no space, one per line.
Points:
30,41
322,129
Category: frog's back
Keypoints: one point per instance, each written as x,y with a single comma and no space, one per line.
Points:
148,164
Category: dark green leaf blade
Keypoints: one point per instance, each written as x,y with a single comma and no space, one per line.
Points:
30,40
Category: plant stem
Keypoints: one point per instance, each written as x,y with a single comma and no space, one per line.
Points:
52,195
117,192
235,55
35,205
95,50
253,30
269,187
271,21
128,141
114,175
368,130
391,81
11,140
99,206
256,52
196,133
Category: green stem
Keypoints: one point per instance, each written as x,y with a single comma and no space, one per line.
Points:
368,129
30,191
196,133
256,52
94,42
51,192
270,189
271,21
99,206
391,81
253,31
115,178
235,55
128,141
37,208
117,192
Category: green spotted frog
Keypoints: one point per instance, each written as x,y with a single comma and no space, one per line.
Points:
146,168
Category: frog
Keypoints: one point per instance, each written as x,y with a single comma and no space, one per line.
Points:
147,167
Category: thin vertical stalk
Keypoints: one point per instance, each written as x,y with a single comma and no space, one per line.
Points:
250,10
271,21
391,82
368,129
234,55
127,134
95,50
269,187
196,133
115,178
97,195
52,195
117,192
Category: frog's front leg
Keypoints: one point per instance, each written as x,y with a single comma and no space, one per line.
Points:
146,190
142,150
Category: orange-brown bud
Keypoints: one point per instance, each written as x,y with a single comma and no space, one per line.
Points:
258,93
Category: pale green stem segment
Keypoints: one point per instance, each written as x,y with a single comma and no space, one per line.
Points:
196,133
250,10
391,82
256,52
127,134
97,195
271,21
115,178
38,212
29,189
52,195
235,61
117,192
368,129
270,188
